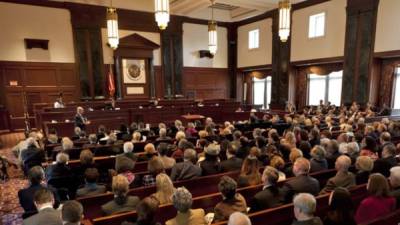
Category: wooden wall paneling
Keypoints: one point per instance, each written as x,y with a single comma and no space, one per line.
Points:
387,72
159,82
206,83
45,77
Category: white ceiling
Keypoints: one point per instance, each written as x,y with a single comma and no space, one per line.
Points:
224,10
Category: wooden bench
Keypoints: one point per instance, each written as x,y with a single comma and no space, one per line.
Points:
390,219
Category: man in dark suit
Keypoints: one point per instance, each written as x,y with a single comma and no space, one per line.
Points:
31,156
91,187
387,161
80,120
271,196
36,176
343,177
60,169
302,182
232,163
44,202
187,169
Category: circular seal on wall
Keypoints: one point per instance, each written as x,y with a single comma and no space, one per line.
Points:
134,72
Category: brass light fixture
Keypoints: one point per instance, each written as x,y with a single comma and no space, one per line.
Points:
162,13
212,33
284,20
112,27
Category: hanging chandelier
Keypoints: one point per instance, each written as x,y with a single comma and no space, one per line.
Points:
112,27
212,33
284,20
162,13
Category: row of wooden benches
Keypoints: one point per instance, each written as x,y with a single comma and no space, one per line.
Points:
206,196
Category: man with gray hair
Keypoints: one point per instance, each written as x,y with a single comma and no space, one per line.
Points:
238,218
304,207
343,177
187,169
182,201
92,142
60,168
163,135
394,180
128,153
387,161
80,120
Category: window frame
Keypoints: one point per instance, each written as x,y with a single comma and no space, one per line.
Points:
396,75
258,39
326,79
308,26
267,79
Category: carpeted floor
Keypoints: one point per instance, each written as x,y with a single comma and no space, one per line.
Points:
10,210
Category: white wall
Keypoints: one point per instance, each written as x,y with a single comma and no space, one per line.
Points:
255,57
108,53
195,38
19,21
330,45
387,27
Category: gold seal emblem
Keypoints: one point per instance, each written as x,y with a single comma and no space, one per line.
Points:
134,71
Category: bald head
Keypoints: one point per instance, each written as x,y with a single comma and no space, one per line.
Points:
238,218
343,163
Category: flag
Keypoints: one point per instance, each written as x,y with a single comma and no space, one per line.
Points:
110,81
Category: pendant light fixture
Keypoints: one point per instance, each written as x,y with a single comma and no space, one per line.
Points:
162,13
284,20
212,32
112,27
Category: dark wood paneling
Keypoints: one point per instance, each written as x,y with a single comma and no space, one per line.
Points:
206,83
159,79
37,82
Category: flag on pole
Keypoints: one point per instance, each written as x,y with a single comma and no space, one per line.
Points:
111,84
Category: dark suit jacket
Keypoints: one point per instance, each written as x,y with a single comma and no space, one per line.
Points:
90,190
79,121
362,177
231,164
384,165
210,167
268,198
25,197
318,165
31,157
58,170
112,207
46,216
341,179
184,171
300,184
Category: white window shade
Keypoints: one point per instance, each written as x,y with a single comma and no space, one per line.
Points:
316,26
254,39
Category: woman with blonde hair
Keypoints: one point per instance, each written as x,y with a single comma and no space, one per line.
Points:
165,189
289,140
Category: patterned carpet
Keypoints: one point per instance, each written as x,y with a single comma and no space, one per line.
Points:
10,210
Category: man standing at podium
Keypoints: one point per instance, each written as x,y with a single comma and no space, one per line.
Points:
80,120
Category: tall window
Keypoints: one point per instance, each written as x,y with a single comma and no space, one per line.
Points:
316,25
325,87
254,39
396,91
262,92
